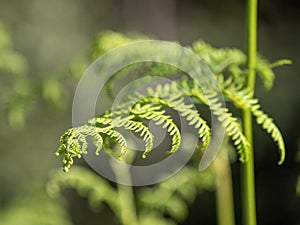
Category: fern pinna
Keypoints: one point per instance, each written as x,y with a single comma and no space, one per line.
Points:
228,66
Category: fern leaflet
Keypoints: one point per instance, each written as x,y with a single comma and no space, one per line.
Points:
243,99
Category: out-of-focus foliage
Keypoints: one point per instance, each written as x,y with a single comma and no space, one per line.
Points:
11,61
169,199
87,184
35,208
108,40
15,90
233,61
19,89
173,197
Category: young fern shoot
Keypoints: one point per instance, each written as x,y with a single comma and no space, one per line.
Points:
228,66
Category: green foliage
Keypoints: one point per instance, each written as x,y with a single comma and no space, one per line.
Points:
243,99
11,61
52,90
173,197
168,199
19,90
233,61
228,66
35,208
14,86
108,40
87,184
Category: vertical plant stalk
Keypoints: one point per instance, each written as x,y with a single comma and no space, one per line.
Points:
128,212
247,169
224,192
128,209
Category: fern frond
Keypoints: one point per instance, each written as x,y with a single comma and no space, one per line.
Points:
129,124
159,117
193,117
159,69
228,62
114,135
218,59
144,132
169,95
243,99
74,144
267,124
192,89
265,72
233,128
281,62
233,61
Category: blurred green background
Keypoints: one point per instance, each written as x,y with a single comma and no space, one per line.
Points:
51,35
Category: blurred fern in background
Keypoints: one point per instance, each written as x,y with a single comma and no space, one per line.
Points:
35,207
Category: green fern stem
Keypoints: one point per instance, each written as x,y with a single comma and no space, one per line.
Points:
247,169
224,190
128,214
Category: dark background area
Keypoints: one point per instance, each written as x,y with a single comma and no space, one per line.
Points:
51,34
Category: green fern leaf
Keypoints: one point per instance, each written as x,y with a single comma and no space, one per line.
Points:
264,70
129,124
74,144
151,112
169,95
243,99
233,128
218,59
